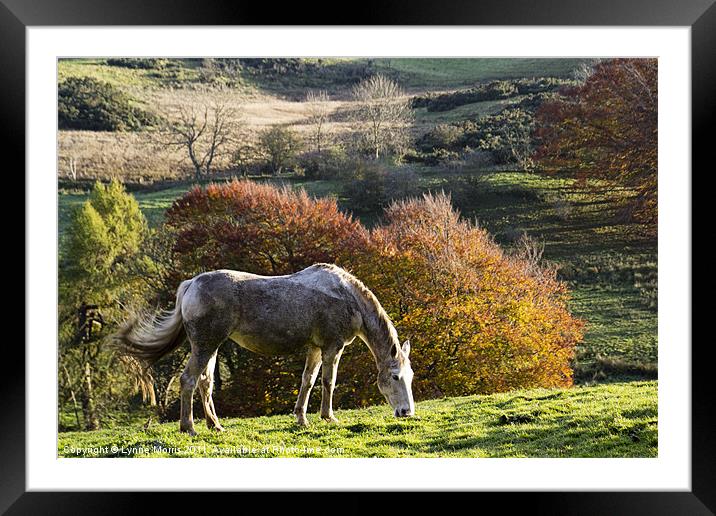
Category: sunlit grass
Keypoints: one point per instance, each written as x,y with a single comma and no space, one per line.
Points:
614,420
454,72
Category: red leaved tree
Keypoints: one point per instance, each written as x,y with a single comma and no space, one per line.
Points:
606,129
266,230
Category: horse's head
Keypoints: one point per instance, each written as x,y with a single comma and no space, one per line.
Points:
395,378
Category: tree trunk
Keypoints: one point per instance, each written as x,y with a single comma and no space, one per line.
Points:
74,398
88,406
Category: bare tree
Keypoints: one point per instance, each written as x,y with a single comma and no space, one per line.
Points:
73,169
383,114
585,69
204,132
318,112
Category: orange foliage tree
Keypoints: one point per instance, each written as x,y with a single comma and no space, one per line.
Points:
479,320
606,128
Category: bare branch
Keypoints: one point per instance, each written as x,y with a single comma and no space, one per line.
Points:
205,132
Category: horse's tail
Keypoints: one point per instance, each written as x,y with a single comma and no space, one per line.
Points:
149,337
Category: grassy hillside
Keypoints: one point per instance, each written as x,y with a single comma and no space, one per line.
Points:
609,264
617,420
442,73
413,73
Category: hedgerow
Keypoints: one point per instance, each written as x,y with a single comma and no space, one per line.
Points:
92,105
493,90
491,133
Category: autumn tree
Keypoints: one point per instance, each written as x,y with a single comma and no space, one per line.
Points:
264,230
480,320
382,115
606,129
205,133
256,228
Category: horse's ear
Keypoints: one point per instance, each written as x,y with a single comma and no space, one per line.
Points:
406,348
394,351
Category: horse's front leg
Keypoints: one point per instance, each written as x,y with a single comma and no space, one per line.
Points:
310,372
329,368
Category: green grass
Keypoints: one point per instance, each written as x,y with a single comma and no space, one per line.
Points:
454,72
467,111
614,420
412,73
98,69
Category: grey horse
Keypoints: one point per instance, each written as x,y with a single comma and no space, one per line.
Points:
316,311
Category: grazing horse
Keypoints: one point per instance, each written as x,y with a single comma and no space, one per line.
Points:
316,311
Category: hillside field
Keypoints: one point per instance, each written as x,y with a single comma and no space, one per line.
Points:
608,261
616,420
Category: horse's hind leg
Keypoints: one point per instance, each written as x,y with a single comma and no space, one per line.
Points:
310,372
206,387
197,363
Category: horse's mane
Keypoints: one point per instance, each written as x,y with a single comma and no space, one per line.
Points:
375,310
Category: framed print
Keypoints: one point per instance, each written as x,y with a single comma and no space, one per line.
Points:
469,227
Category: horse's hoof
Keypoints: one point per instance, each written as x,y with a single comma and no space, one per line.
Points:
302,421
330,419
217,428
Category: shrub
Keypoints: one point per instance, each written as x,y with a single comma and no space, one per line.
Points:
431,158
493,90
280,145
139,62
328,164
442,136
89,104
256,228
376,186
492,133
480,320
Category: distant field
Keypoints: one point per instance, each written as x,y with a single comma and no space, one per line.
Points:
616,420
132,79
412,72
430,73
132,156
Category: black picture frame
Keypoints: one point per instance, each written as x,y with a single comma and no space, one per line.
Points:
700,15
